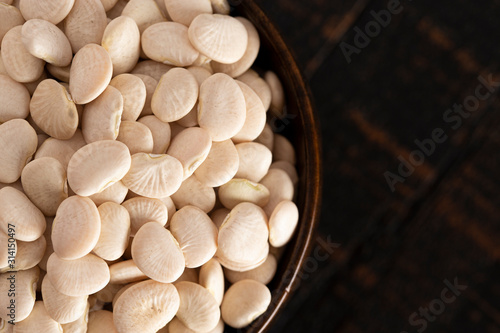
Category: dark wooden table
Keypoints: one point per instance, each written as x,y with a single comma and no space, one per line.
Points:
415,249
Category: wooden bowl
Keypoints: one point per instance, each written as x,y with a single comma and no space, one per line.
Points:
300,126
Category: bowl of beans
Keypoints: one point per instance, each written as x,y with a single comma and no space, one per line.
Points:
160,167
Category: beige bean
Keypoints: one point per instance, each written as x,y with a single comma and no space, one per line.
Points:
280,187
168,43
109,292
175,95
14,100
83,276
122,40
28,255
18,62
193,192
9,249
176,326
17,185
3,71
175,129
255,116
191,148
49,249
76,228
263,273
62,308
79,325
144,12
191,119
157,253
219,215
241,66
117,9
189,274
47,42
125,272
44,182
52,11
278,252
115,193
130,314
150,85
14,160
134,95
277,93
53,110
212,278
199,73
17,210
163,9
243,238
77,141
41,139
108,4
259,85
85,24
160,131
6,327
31,86
167,201
266,137
60,73
95,304
239,190
26,282
109,161
196,234
10,17
58,149
90,73
115,231
226,40
136,136
101,119
255,160
205,62
154,176
101,321
198,309
282,223
221,6
220,166
143,210
151,68
184,12
288,168
283,150
39,320
218,94
243,302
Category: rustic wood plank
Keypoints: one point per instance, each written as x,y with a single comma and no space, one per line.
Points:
441,223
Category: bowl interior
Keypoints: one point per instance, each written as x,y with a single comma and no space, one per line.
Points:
299,125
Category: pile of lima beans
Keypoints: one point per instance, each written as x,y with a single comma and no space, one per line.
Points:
141,189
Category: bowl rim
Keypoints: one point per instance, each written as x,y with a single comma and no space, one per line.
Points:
313,167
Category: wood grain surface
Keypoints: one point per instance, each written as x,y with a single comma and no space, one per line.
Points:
385,259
